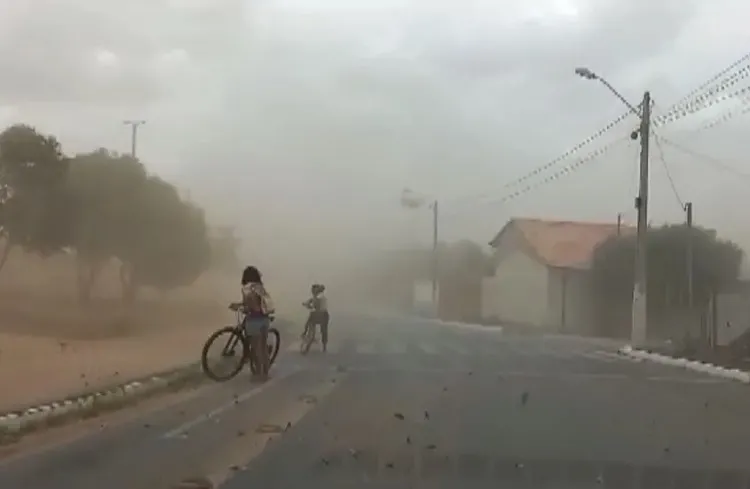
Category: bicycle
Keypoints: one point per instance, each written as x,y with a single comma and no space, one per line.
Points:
308,338
238,338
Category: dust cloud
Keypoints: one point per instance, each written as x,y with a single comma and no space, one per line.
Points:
297,239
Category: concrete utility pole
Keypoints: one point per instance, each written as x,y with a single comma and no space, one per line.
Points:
689,264
639,328
414,201
619,223
134,135
435,255
640,309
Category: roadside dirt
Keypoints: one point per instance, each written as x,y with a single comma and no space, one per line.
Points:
51,347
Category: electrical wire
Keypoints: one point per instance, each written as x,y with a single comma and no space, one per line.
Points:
696,97
663,161
536,171
708,160
691,103
694,109
564,171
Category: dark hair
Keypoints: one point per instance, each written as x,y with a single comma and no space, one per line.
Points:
251,274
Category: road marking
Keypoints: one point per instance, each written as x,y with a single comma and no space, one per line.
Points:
189,425
235,456
687,380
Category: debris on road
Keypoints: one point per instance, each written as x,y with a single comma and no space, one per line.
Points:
194,483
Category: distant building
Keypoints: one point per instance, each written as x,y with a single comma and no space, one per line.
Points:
541,274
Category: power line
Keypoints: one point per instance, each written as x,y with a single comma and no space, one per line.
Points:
708,160
555,161
693,109
688,104
695,97
727,116
666,169
566,170
684,106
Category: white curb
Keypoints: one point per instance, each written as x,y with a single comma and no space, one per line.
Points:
706,368
19,421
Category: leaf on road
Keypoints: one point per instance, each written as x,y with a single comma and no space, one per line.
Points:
426,415
308,399
408,440
194,483
269,428
431,446
524,398
398,416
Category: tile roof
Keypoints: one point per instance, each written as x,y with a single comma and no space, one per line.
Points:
565,244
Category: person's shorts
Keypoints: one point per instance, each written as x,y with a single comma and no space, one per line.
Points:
256,325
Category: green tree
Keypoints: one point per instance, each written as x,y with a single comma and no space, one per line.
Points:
121,212
167,245
33,203
101,186
716,264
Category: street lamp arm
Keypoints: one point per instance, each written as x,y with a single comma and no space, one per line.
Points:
590,75
619,95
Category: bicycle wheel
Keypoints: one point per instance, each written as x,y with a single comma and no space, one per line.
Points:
307,341
231,361
273,344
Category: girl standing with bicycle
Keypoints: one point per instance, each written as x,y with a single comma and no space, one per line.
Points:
258,307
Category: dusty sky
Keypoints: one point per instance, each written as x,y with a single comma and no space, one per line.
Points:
290,116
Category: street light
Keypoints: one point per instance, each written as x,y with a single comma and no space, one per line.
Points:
640,310
590,75
411,200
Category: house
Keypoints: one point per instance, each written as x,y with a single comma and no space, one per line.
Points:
541,275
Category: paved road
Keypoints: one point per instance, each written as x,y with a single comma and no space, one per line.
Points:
406,403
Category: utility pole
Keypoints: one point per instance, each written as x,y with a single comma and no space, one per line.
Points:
619,223
640,309
435,256
134,135
689,221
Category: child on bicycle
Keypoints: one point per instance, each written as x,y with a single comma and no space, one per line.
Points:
318,306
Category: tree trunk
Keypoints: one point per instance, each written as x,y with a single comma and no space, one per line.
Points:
87,271
129,284
6,251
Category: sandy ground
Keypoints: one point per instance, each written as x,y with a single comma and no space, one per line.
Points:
51,347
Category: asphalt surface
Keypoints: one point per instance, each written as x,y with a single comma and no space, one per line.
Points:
409,403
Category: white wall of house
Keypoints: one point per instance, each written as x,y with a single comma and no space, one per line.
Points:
569,298
518,290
